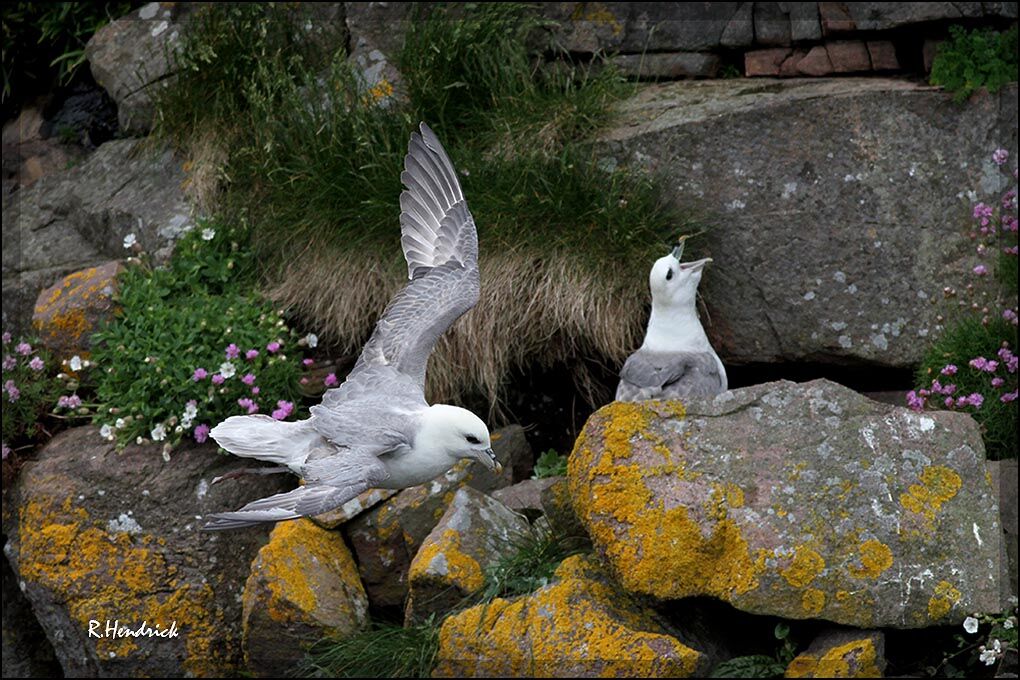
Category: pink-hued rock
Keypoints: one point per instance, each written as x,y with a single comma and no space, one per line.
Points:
848,56
883,55
835,18
765,62
816,62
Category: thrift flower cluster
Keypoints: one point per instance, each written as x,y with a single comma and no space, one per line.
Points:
29,390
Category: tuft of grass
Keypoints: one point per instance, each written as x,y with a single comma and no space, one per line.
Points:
313,165
383,650
530,565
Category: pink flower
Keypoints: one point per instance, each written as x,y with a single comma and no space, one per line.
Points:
303,380
248,379
251,354
69,402
949,402
36,364
199,374
1009,315
7,341
23,348
232,351
998,382
976,399
1008,397
980,363
307,362
1000,156
914,401
980,270
331,380
284,409
949,369
250,405
218,379
201,433
255,390
273,347
9,363
13,393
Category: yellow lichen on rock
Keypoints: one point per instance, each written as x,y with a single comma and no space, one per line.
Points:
939,484
941,602
813,601
875,558
856,659
458,568
806,565
579,625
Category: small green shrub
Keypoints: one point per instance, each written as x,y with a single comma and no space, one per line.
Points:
973,59
30,390
192,344
549,464
761,665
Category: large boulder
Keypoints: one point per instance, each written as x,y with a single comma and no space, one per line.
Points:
303,586
580,626
102,539
77,219
800,501
472,535
838,207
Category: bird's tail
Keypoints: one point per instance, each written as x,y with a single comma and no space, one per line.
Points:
302,501
265,438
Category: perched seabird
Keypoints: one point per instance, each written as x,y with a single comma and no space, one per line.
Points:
676,359
376,429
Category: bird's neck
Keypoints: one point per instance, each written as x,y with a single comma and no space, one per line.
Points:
675,328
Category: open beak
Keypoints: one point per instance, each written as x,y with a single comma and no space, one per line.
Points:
679,250
696,265
489,460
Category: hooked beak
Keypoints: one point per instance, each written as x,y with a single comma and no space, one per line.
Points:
679,250
489,460
696,265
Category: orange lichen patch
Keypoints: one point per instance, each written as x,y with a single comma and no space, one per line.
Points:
117,577
381,90
939,484
444,559
875,557
581,624
292,567
813,601
942,601
654,550
855,659
66,312
805,566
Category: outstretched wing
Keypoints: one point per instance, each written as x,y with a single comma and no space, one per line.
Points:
441,248
331,482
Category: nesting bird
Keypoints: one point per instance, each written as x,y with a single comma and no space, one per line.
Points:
676,360
376,429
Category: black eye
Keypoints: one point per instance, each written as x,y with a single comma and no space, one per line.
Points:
669,275
472,439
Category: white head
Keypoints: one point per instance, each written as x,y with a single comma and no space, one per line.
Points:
675,283
458,433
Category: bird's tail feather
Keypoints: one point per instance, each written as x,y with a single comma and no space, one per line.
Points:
265,438
270,509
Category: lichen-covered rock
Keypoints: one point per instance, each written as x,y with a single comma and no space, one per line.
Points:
78,218
365,500
559,511
877,172
801,501
130,57
303,586
842,654
581,625
102,537
471,536
386,538
376,32
68,312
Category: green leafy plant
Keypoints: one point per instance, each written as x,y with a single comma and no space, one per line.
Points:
973,59
761,665
550,464
30,390
192,344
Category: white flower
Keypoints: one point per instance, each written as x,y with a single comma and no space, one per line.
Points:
130,240
227,369
208,234
190,410
75,363
1007,624
106,432
120,423
970,624
158,433
312,339
987,657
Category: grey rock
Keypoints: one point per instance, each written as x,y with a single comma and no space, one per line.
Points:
559,511
795,500
1004,480
739,31
376,31
525,497
131,56
78,218
771,24
471,537
668,65
881,16
101,535
805,24
839,206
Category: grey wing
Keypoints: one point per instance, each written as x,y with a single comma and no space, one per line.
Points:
644,375
376,404
701,377
441,248
331,482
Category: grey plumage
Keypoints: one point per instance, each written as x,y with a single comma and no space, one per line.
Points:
363,434
675,375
